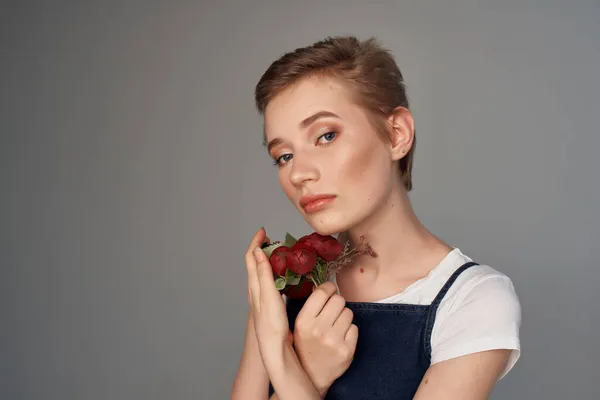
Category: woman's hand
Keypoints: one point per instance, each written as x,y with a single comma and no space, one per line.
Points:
324,336
269,317
266,303
252,379
267,306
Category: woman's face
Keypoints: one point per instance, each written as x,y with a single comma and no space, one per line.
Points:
324,144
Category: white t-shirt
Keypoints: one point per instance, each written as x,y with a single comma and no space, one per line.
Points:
480,311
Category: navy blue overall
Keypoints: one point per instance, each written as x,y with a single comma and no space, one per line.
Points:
393,350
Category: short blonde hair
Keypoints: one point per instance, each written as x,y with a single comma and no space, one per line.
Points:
365,67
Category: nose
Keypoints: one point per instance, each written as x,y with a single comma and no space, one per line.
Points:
303,170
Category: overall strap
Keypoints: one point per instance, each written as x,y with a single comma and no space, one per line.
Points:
436,303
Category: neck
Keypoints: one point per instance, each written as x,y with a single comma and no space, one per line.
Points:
402,244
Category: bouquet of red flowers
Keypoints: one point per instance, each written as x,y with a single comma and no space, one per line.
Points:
301,264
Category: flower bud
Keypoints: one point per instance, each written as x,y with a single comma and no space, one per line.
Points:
301,258
299,291
326,247
278,260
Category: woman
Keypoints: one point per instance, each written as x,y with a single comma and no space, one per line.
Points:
420,320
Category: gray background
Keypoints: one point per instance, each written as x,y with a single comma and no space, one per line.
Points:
132,178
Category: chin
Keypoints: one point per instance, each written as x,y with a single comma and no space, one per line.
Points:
328,224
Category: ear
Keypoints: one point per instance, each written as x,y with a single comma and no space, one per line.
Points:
402,132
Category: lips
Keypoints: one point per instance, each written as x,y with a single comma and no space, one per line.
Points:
315,201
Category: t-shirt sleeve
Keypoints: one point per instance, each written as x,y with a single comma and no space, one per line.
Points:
486,317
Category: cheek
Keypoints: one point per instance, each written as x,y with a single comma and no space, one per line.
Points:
366,172
363,165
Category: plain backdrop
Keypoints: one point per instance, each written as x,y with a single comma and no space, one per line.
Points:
132,177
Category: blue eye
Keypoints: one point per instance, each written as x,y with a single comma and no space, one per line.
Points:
283,157
282,160
329,136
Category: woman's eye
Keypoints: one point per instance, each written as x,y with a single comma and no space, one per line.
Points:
329,136
280,159
283,159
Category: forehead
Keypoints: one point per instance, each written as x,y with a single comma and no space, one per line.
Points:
308,96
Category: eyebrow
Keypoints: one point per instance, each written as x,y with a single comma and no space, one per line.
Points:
303,125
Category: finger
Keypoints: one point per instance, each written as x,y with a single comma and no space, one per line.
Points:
253,294
257,240
253,286
317,299
332,310
352,335
253,283
343,322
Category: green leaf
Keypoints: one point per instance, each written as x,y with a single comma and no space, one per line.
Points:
323,271
269,249
291,277
315,276
280,283
290,240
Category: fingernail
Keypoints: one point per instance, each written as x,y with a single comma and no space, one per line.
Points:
257,250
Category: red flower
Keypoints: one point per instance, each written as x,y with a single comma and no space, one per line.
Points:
301,258
326,247
278,260
299,291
